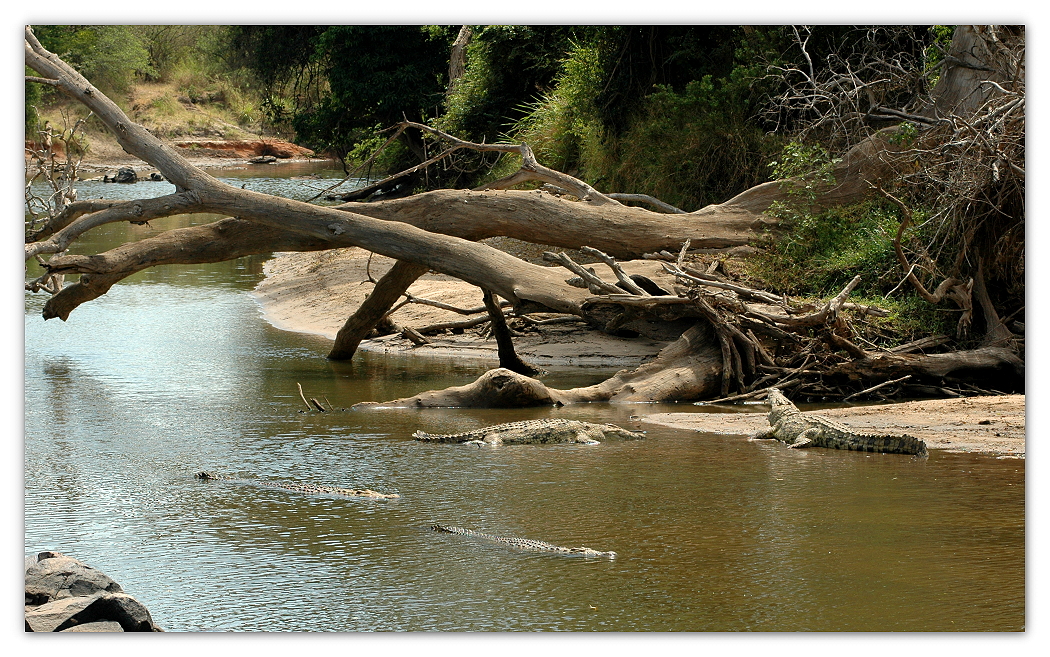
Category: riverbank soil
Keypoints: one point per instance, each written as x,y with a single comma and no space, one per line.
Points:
315,293
215,154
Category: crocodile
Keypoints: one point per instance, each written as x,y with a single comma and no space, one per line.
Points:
790,425
525,543
298,487
555,430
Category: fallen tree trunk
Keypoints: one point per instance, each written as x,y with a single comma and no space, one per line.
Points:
989,368
687,369
691,368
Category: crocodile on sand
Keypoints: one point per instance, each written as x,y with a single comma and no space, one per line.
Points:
792,426
555,430
525,543
297,487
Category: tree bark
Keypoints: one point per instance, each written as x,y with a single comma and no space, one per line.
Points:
508,358
687,369
387,291
987,367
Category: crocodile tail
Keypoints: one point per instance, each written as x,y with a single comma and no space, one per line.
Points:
921,451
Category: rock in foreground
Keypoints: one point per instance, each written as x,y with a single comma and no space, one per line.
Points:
64,594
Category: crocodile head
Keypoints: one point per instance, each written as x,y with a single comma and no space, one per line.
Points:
779,405
613,431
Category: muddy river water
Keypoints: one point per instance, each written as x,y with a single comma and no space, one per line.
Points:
174,372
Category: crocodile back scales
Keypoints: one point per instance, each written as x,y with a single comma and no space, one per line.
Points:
549,430
524,543
790,422
299,487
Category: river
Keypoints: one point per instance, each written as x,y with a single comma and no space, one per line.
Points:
174,371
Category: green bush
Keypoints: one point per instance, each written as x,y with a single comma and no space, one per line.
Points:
814,255
560,126
508,68
819,253
691,140
690,149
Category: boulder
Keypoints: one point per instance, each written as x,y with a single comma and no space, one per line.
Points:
97,626
53,576
263,159
50,616
119,608
125,175
64,594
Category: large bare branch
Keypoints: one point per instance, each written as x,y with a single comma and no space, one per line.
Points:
481,265
139,211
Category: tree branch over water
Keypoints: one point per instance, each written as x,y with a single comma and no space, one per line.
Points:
718,350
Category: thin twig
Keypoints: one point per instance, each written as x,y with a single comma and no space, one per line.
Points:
749,395
874,388
302,395
595,280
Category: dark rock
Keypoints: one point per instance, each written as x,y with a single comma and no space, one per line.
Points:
156,176
65,594
125,175
50,616
263,159
122,608
119,608
55,576
97,626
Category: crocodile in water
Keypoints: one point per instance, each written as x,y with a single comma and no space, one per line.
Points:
525,543
298,487
554,430
797,429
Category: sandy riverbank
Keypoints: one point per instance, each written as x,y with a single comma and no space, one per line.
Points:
99,165
985,425
315,293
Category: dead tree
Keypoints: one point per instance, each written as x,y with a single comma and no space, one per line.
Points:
439,231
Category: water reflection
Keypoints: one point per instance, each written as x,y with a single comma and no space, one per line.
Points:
175,372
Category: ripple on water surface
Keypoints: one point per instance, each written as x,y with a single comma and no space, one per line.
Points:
173,373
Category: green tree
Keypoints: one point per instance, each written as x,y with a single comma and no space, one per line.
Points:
339,84
509,68
109,55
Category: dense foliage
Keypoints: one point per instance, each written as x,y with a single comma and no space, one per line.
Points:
339,85
670,111
111,56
